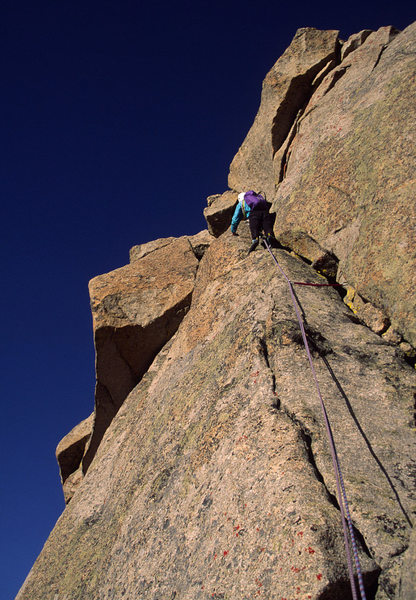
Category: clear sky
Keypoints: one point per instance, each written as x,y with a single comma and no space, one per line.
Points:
118,119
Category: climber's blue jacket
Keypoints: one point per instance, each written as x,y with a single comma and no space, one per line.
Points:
247,201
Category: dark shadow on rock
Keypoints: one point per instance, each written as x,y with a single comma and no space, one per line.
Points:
341,589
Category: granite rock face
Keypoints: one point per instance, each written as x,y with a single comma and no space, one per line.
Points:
408,581
136,309
214,479
286,89
69,454
342,168
208,473
349,178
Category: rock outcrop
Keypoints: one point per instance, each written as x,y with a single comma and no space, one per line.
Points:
219,212
69,454
208,472
344,173
286,89
350,179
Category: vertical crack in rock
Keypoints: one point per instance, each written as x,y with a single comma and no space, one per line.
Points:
263,350
379,56
392,34
289,114
286,153
286,89
367,442
340,589
332,499
283,137
337,75
296,98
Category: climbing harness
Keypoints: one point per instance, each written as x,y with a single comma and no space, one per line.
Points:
342,496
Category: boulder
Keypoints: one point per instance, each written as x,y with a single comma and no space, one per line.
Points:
136,309
219,211
373,317
354,41
391,336
307,248
71,448
286,90
199,243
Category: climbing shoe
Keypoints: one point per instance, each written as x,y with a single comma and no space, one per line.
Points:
271,241
254,244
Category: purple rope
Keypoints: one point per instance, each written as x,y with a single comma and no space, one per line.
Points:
342,496
317,284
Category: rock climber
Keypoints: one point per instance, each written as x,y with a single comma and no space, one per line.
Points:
254,207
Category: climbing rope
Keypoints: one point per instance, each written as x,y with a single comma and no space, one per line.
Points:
317,284
342,496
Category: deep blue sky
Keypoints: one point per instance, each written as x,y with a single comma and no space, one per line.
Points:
118,119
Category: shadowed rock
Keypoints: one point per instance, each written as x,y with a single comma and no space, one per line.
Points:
69,454
200,242
219,211
302,244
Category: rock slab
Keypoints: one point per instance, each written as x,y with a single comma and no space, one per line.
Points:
214,480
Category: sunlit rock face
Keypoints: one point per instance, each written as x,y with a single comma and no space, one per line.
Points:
349,179
208,473
136,309
286,89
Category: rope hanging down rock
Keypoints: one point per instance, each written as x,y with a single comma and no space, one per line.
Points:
342,496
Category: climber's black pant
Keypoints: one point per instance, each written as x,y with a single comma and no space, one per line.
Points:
261,220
